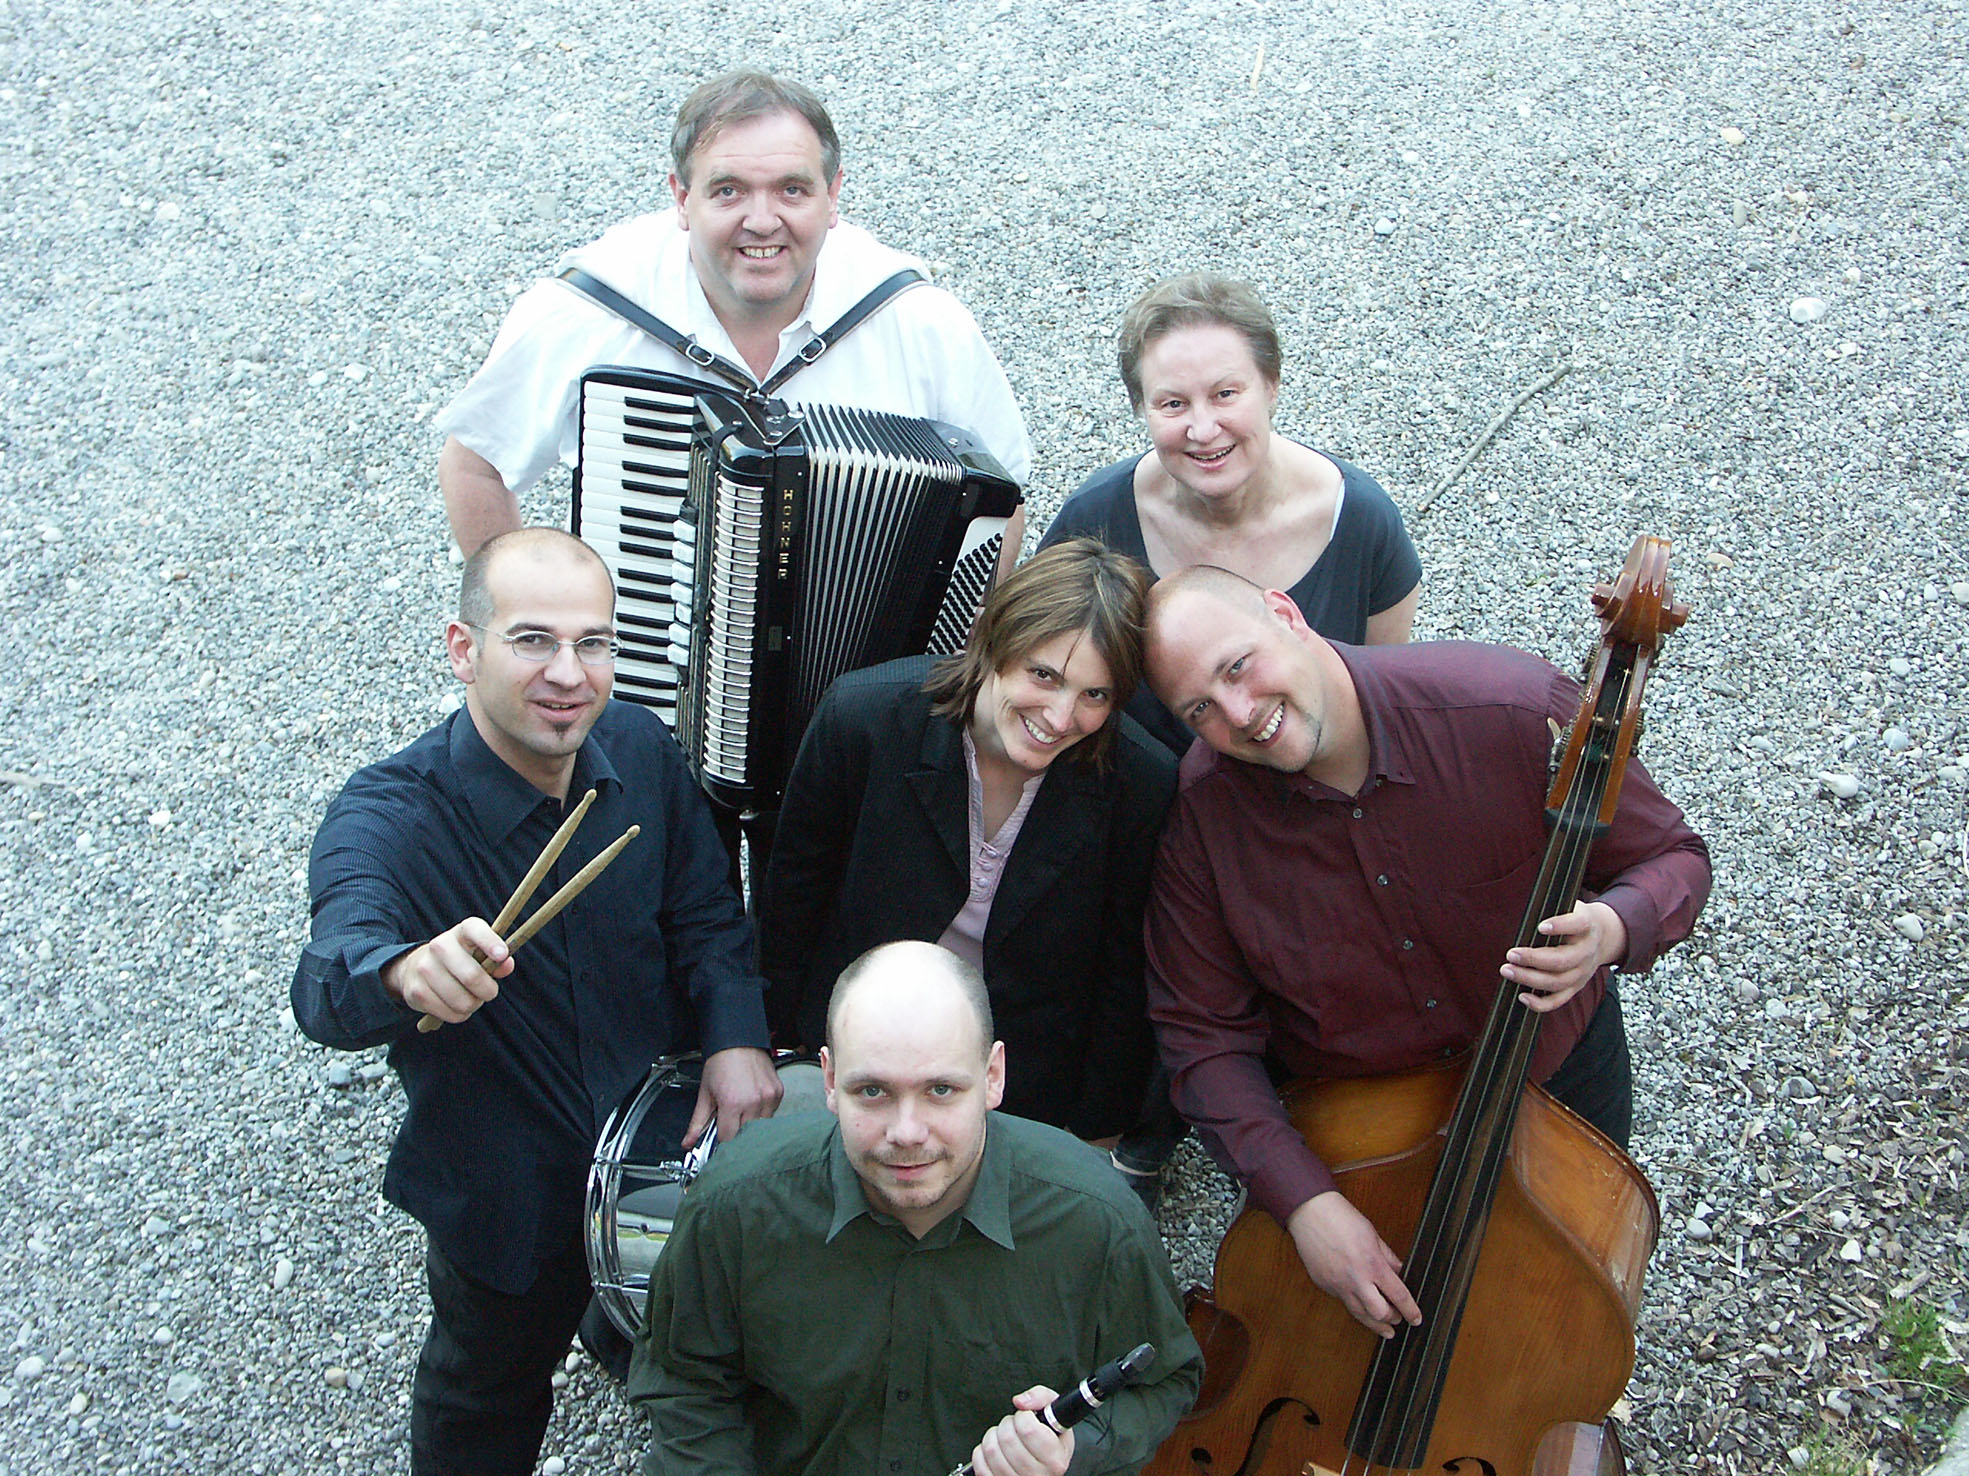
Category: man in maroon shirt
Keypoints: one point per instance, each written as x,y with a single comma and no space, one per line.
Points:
1345,867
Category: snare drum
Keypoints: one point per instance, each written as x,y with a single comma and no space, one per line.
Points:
636,1183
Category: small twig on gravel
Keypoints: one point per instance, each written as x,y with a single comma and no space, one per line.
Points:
1444,482
1800,1207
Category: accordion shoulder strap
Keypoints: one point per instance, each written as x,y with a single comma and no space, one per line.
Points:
602,294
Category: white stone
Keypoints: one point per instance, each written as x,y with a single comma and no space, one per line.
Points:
78,1406
30,1367
1840,786
336,1378
1699,1231
160,818
1839,1219
181,1386
1731,135
552,1466
1910,927
164,1337
1900,666
1851,1251
1807,309
357,372
1385,226
1896,740
283,1274
1959,591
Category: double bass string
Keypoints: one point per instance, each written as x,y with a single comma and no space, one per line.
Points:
1448,1237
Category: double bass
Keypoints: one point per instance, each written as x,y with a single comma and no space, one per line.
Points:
1523,1231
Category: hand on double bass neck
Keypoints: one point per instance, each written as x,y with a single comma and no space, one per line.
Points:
1590,935
1348,1259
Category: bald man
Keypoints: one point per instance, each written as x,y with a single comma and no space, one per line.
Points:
1342,878
507,1100
902,1285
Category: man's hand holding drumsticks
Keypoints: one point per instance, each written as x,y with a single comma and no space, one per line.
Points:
445,979
455,973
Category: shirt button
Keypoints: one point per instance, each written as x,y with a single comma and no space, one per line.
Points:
1408,943
1428,1004
1381,880
902,1395
895,1465
1357,812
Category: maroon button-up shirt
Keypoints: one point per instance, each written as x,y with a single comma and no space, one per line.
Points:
1353,935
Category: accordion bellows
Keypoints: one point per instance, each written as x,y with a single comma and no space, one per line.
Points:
761,550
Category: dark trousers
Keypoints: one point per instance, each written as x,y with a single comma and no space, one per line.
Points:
481,1396
1596,1079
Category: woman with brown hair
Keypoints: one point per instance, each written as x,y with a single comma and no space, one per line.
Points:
996,802
1199,355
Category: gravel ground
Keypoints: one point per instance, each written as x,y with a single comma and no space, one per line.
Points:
256,246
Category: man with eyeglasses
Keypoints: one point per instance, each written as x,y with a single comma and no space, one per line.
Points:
507,1099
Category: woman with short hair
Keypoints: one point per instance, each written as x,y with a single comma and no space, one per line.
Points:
1199,355
996,802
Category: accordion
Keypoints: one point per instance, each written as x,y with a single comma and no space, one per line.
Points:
760,550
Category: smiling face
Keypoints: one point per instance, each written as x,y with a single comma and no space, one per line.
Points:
1245,680
1209,408
1034,708
534,715
758,207
910,1076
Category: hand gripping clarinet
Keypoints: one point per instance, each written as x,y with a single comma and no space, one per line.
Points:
1095,1390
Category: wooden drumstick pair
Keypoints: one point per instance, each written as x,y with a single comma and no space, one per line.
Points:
531,882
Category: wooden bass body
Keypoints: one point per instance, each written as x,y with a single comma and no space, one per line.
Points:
1547,1338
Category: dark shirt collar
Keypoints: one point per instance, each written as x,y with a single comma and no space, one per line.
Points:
497,793
989,1209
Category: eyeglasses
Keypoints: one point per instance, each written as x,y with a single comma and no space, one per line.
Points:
539,647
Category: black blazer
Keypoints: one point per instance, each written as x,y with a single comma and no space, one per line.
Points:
873,846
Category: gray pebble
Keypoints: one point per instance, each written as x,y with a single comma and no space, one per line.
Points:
181,1386
1800,1087
1747,990
1896,740
164,1337
1900,666
339,1074
335,1378
1699,1231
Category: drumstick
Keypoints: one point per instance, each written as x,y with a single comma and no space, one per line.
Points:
531,881
529,884
572,890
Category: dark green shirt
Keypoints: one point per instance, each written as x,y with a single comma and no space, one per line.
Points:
792,1329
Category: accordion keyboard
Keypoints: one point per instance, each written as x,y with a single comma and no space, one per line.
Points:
635,472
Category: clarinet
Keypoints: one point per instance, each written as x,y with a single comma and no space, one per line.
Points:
1092,1392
